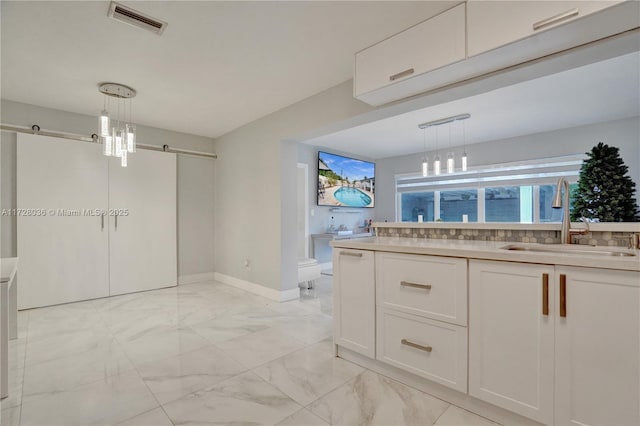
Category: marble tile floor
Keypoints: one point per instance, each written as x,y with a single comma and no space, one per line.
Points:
201,354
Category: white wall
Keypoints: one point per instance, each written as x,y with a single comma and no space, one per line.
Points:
196,210
8,224
255,174
624,134
256,188
195,180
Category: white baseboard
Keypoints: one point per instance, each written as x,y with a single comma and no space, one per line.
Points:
260,290
196,278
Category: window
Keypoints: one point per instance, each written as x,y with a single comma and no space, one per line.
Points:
455,204
521,192
415,203
508,204
547,213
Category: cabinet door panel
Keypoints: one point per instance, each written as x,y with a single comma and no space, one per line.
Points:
598,348
143,243
492,24
354,300
510,338
432,44
64,254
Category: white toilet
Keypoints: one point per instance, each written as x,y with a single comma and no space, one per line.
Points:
308,272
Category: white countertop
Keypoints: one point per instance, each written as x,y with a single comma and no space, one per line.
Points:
490,250
603,227
8,268
336,236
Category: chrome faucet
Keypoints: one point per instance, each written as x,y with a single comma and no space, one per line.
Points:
563,202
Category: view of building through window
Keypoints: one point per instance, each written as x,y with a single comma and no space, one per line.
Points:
525,195
455,204
501,204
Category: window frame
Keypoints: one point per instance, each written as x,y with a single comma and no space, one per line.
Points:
533,173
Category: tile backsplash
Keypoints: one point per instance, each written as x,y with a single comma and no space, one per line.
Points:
599,238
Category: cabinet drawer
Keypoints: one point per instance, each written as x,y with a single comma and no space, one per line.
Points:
491,24
431,349
432,44
429,286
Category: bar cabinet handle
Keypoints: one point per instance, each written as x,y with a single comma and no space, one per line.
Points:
555,19
401,74
415,345
545,294
563,295
350,253
415,285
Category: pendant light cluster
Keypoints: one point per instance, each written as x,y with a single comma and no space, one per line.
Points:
117,133
450,164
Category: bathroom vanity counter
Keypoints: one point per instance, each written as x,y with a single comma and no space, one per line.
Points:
329,236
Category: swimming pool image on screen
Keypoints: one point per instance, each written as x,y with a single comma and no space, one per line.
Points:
344,181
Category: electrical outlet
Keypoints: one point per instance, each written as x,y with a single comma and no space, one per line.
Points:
246,263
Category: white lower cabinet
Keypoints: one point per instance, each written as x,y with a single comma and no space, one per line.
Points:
558,345
511,337
354,306
421,316
569,355
431,286
431,349
597,367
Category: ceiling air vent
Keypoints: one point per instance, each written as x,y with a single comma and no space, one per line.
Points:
130,16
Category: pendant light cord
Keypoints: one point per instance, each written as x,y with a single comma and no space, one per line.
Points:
464,137
424,137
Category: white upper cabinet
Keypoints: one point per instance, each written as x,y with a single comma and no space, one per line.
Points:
425,47
479,37
492,24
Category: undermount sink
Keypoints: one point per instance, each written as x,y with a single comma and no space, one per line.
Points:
565,248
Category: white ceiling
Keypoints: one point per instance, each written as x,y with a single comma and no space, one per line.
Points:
217,66
602,91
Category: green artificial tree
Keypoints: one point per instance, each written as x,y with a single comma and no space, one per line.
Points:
605,191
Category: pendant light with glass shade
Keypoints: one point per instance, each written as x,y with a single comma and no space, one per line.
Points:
464,147
425,160
104,119
450,160
450,156
436,160
117,134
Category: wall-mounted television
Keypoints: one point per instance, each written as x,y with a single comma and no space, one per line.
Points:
345,181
